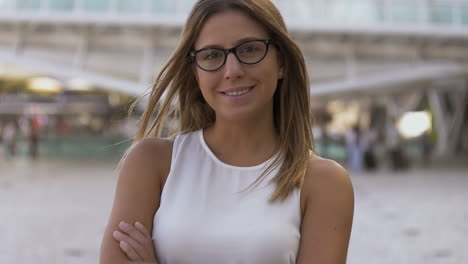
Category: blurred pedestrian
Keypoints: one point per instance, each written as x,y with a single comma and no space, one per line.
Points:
354,149
368,143
240,182
427,147
33,139
9,138
394,146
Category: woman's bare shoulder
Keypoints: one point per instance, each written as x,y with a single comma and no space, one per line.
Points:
150,150
153,145
148,158
325,177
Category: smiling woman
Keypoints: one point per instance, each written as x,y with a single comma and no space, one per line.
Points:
244,81
239,181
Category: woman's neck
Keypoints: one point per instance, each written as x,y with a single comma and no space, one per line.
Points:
242,143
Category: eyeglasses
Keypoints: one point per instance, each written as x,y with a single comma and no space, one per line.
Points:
249,52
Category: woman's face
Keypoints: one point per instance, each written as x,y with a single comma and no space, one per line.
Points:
237,90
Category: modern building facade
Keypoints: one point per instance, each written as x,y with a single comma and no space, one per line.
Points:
402,55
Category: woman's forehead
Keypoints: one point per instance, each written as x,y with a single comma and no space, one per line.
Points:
228,28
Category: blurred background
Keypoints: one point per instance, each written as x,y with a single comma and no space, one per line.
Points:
389,86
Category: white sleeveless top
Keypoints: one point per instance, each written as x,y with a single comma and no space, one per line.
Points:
204,217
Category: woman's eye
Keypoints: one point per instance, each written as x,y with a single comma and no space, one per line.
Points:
211,55
249,49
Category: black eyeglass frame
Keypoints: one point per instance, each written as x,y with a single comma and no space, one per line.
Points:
226,52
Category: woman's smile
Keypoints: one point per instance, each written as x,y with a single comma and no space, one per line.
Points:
238,92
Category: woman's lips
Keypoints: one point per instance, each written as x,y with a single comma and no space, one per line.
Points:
238,91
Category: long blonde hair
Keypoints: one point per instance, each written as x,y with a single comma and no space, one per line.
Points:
175,92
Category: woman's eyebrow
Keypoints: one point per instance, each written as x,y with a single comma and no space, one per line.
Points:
236,43
247,39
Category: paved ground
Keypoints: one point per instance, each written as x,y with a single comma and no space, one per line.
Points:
55,212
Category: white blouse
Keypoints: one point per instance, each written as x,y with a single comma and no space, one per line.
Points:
204,217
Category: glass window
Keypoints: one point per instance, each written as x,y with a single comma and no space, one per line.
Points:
404,12
365,11
441,13
464,14
130,6
61,5
162,7
28,4
96,5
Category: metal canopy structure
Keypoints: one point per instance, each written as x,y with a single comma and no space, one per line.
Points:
22,23
352,48
391,81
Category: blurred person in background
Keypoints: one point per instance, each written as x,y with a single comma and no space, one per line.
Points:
368,143
33,138
354,149
9,137
427,147
240,182
394,146
62,130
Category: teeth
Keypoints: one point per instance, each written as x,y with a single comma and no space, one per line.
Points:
237,93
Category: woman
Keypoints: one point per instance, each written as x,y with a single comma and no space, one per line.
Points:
240,183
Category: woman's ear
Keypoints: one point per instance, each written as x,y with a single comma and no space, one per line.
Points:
281,61
281,72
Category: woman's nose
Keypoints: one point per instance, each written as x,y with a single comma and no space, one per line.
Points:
233,68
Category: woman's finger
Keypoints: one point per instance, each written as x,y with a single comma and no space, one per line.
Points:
140,239
133,249
133,232
148,242
144,247
129,251
143,229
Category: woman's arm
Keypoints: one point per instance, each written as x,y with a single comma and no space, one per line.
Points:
328,208
137,195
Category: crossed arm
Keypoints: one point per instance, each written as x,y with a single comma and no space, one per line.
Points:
137,198
327,205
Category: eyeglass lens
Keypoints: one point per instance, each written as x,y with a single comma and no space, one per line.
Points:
249,53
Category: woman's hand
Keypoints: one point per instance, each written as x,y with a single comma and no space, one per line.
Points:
136,242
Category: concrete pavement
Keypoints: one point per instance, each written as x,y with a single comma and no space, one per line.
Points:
55,212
